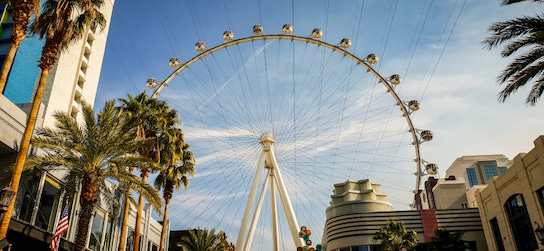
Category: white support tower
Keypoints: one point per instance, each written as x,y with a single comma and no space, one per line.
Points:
267,160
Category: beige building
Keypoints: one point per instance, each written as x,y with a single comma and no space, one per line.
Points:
357,196
358,210
512,205
478,169
448,193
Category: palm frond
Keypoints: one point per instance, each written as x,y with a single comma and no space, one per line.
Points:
521,78
535,40
507,2
507,30
520,63
536,92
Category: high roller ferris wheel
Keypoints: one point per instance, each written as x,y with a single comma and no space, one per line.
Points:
297,104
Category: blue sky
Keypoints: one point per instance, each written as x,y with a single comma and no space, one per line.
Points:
329,115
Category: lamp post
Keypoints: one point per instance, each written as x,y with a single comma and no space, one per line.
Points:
539,233
6,195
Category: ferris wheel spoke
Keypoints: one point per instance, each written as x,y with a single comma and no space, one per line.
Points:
333,117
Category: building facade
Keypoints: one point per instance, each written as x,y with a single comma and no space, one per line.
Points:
512,205
478,169
358,210
38,207
448,193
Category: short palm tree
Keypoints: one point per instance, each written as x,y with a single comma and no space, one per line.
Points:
177,161
201,240
99,149
151,118
394,235
521,33
445,240
227,246
62,22
22,13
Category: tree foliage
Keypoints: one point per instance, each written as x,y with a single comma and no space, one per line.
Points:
99,149
528,67
155,121
393,235
445,240
201,240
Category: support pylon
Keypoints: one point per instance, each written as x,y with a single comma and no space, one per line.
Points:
267,160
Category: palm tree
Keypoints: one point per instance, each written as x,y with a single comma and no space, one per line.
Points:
201,240
99,149
394,235
22,13
525,32
445,240
137,110
62,22
151,117
227,246
178,161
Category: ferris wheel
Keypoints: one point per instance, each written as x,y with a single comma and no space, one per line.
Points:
281,115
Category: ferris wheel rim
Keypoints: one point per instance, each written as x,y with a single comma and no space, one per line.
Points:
334,48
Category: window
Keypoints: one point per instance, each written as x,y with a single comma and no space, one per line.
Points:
464,205
152,247
502,169
540,193
109,230
497,234
130,240
49,201
97,229
29,193
520,223
472,178
490,171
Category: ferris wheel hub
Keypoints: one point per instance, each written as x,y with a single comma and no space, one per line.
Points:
267,139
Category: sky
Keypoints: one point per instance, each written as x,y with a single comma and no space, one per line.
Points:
332,119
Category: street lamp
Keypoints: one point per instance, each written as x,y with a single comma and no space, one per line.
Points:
539,233
6,195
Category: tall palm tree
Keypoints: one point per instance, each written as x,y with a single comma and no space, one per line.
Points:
445,240
137,110
201,240
99,149
177,161
152,117
527,33
394,236
22,13
62,22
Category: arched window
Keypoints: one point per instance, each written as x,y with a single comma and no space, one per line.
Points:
520,223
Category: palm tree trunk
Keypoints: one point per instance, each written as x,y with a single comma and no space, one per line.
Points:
145,173
23,150
22,10
84,220
123,236
8,61
163,232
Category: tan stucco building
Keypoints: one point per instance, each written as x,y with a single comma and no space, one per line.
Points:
511,206
359,209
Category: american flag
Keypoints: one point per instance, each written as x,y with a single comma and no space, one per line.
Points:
61,228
